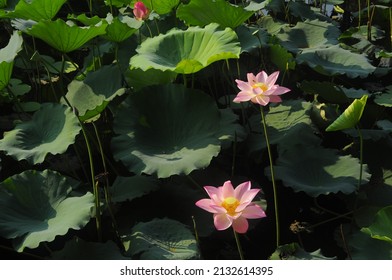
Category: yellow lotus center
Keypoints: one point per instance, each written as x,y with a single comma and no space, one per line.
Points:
230,204
261,86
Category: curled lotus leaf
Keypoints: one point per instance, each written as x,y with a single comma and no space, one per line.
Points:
187,51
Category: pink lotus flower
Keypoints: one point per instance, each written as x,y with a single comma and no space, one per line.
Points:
140,11
260,89
231,207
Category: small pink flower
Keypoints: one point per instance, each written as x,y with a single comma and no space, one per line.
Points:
231,207
260,89
140,11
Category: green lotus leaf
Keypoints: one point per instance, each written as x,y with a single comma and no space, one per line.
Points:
337,61
293,251
36,10
251,38
281,58
37,206
161,6
311,34
187,123
78,249
138,78
202,12
287,124
187,51
317,171
51,130
384,99
7,56
128,188
91,96
3,3
381,228
350,116
120,28
63,37
162,239
363,247
328,91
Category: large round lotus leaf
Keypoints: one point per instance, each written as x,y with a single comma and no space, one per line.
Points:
162,239
337,61
167,130
312,34
64,37
38,206
204,12
91,96
187,51
288,124
51,130
7,55
36,10
317,171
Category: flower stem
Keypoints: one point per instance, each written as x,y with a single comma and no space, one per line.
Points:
239,248
272,177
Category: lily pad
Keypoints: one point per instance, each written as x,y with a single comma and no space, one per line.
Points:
138,78
337,61
363,247
33,140
36,10
162,239
7,56
161,6
91,96
318,171
63,36
160,130
38,206
187,51
202,12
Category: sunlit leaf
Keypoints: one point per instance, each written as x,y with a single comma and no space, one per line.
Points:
350,117
121,27
381,228
51,130
187,140
187,51
38,206
63,37
160,6
7,56
318,171
91,96
162,239
204,12
36,10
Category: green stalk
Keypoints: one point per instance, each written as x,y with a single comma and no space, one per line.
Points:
359,14
272,177
239,248
360,156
